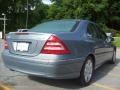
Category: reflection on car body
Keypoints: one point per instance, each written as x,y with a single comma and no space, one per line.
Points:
59,49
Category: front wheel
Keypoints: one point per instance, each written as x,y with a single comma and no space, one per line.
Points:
113,60
86,73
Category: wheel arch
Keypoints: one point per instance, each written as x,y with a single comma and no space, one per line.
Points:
81,78
93,58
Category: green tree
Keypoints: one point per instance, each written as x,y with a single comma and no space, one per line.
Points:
15,11
104,12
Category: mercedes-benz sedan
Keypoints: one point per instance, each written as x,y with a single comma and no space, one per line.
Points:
59,49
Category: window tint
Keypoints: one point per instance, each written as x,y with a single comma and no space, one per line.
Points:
91,30
102,34
55,26
96,32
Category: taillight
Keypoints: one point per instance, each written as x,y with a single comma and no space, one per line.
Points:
54,46
5,44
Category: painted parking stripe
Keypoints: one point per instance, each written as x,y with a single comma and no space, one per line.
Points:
104,86
5,87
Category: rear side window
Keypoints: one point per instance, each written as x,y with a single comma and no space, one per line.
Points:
55,26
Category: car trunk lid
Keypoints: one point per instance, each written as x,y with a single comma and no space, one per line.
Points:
26,43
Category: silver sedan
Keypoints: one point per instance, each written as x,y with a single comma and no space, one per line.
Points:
59,49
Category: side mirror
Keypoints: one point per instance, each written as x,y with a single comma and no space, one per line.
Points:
109,39
109,34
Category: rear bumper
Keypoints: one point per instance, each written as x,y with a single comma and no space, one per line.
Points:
56,69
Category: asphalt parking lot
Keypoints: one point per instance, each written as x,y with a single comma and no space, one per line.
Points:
106,77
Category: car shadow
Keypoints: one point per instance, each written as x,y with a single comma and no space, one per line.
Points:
71,83
61,83
104,70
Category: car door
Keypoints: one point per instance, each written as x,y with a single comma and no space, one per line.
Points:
108,49
99,46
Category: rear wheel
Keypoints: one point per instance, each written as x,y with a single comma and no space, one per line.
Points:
113,60
86,73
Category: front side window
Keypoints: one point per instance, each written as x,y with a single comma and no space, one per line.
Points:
91,31
95,32
102,34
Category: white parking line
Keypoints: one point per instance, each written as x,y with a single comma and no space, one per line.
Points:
104,86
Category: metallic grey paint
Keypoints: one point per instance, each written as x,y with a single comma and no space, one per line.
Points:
57,66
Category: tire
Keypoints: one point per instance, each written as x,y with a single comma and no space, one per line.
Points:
113,60
86,73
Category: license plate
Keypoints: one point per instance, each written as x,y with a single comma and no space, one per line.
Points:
21,46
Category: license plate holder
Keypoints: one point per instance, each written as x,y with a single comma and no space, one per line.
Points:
21,46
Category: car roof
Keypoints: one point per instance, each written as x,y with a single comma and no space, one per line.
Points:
62,20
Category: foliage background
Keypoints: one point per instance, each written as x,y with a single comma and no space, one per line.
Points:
104,12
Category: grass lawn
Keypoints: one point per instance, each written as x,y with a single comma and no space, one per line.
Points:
116,41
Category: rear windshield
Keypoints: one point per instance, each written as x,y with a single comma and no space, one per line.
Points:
55,26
